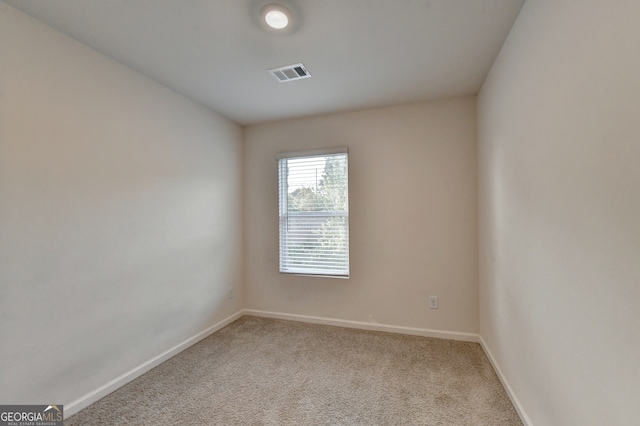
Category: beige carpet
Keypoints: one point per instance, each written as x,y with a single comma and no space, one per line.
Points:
260,371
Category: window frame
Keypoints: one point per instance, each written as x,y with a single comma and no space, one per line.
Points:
284,214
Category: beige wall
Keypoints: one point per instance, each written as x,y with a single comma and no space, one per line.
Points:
559,150
412,216
119,216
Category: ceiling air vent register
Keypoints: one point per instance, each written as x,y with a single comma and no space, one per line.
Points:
290,73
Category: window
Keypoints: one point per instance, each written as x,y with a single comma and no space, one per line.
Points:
314,213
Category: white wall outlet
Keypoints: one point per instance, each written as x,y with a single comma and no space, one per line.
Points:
230,294
433,302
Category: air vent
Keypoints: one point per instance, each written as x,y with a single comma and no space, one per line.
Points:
290,73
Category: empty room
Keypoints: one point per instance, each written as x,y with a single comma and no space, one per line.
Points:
320,212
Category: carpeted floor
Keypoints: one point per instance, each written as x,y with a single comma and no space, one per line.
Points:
260,371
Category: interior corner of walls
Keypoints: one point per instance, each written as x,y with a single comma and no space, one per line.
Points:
505,383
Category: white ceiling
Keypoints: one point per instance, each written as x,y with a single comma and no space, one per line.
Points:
361,53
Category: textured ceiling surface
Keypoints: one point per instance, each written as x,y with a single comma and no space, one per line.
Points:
360,53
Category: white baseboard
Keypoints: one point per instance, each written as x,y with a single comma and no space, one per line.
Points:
93,396
414,331
450,335
507,386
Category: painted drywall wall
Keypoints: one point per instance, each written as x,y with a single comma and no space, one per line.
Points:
413,216
120,208
560,211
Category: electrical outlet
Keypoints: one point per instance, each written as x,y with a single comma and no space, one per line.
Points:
230,294
433,302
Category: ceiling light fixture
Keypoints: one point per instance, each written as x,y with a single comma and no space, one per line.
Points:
276,16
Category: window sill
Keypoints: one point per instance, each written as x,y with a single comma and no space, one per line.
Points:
302,274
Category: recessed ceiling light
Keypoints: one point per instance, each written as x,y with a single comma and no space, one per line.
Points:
276,16
276,19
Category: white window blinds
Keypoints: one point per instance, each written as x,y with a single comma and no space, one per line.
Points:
314,213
